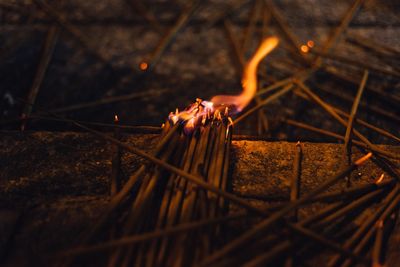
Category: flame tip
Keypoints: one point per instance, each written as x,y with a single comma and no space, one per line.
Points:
249,78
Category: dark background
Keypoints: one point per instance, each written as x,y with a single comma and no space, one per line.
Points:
198,62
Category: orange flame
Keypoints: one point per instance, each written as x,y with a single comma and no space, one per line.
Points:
249,79
201,111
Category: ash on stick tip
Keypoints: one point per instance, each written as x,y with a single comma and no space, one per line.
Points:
361,160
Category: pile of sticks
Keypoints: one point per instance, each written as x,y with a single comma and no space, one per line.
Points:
159,199
160,219
352,228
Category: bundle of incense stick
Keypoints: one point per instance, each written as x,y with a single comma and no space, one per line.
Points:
161,222
162,199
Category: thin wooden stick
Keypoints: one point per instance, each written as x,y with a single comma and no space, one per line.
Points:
379,47
359,121
109,100
331,134
368,125
141,9
349,128
378,244
354,205
116,163
367,224
264,226
286,30
130,128
190,177
170,230
121,195
266,18
372,108
355,191
295,184
386,97
347,194
252,21
394,205
301,75
47,52
332,245
333,113
296,177
59,18
226,13
264,102
321,131
166,40
354,62
281,247
334,38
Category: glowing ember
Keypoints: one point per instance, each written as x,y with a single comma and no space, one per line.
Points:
380,179
143,66
304,48
220,107
310,43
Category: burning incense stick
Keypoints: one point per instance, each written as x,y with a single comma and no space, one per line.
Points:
116,162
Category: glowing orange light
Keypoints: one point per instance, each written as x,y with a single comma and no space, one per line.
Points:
304,49
199,112
116,118
143,66
364,158
310,43
230,121
249,78
230,125
380,179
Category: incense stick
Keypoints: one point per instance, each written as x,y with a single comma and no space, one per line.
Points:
275,217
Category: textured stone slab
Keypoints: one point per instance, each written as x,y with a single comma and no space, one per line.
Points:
56,184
